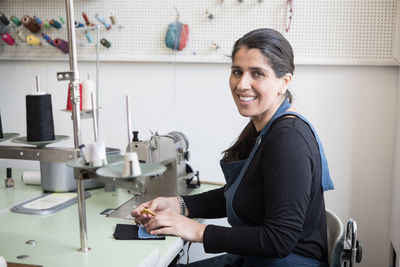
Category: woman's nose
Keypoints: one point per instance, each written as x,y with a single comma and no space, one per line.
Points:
244,82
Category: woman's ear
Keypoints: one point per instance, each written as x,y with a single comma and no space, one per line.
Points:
286,80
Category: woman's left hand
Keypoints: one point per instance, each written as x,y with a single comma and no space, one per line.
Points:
169,223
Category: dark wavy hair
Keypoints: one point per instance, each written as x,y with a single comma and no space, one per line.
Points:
279,55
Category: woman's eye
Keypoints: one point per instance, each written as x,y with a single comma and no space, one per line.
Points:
236,72
258,74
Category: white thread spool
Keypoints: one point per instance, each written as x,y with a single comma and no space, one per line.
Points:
131,165
3,262
98,154
31,177
87,89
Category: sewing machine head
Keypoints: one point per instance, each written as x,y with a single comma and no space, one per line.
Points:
170,150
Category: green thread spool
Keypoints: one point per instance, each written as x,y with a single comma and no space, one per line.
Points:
16,21
46,25
105,43
54,23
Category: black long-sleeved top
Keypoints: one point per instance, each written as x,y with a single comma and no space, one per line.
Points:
280,199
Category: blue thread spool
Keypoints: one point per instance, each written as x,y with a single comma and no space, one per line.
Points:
78,24
89,37
47,38
103,21
54,23
38,20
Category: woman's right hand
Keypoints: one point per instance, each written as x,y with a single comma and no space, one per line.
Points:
159,204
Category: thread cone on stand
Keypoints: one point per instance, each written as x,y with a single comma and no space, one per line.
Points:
69,103
39,118
87,90
131,165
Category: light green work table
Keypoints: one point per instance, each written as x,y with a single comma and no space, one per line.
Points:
57,234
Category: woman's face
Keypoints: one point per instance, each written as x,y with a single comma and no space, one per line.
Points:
255,88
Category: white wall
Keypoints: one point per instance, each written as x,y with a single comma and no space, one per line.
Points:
395,208
352,107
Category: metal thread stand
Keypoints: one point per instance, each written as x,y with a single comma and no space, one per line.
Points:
73,77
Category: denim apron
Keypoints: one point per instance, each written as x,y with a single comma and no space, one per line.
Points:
234,172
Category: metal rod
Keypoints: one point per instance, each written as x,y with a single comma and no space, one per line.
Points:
73,65
74,84
128,118
82,213
94,110
37,84
97,68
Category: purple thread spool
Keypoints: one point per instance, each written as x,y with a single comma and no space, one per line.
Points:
62,45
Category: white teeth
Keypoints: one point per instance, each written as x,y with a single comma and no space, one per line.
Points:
247,98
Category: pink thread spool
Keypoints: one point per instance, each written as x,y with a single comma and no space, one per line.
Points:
8,39
62,45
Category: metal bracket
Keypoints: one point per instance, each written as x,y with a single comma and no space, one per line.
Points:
65,76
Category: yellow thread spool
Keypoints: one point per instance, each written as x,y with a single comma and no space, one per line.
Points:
32,40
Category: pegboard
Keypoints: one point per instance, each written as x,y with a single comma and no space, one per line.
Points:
321,32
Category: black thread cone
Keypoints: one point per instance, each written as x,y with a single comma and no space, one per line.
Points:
39,118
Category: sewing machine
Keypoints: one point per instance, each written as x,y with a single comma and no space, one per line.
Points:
170,150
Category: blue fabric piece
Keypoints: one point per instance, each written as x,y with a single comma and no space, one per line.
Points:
234,171
143,234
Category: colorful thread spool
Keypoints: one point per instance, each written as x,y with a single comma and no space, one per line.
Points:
105,43
89,37
7,38
113,19
4,19
47,38
31,24
21,36
62,45
39,117
54,23
38,20
32,40
87,21
46,25
78,24
103,21
177,35
69,103
16,21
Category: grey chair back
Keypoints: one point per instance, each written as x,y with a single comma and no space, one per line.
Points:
335,238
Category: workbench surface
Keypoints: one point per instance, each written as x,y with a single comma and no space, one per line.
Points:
57,235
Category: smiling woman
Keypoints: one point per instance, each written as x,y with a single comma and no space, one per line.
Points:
277,167
255,88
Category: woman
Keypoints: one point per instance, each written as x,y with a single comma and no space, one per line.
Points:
275,173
